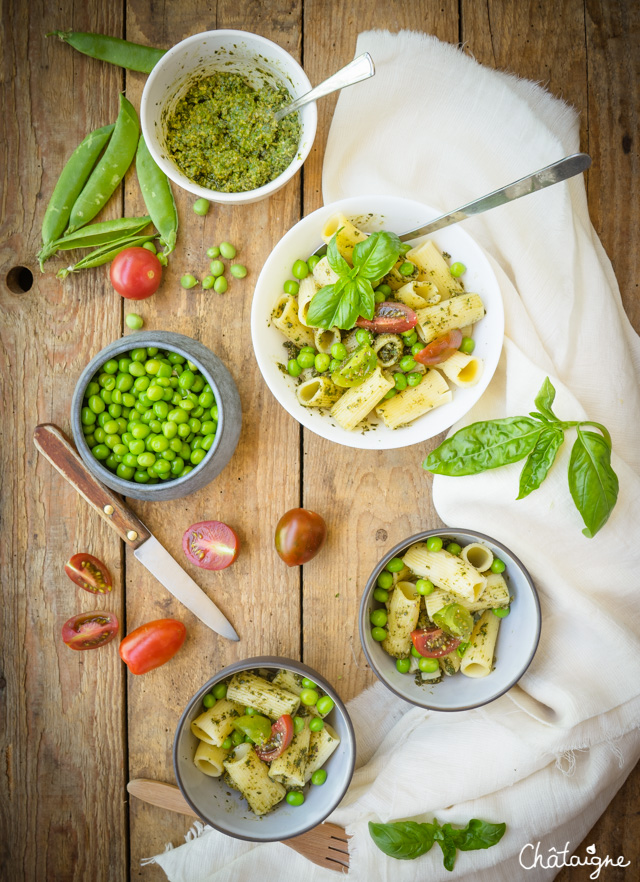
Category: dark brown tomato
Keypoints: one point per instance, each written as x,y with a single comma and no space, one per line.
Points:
440,349
300,535
390,318
89,573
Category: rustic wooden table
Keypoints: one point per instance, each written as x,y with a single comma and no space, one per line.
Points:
76,727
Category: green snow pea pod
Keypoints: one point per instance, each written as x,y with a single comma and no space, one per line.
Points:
132,56
102,233
71,181
110,169
103,255
158,196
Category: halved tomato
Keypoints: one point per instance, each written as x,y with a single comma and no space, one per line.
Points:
433,642
281,735
89,573
440,349
390,318
211,545
90,630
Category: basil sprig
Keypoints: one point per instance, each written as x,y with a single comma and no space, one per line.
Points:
406,840
538,437
339,305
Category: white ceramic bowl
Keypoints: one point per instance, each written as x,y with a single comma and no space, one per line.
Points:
257,59
373,213
518,636
223,808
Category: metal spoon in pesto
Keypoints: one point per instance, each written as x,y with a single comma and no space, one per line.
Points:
361,68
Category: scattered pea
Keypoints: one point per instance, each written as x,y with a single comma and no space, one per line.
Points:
457,269
385,580
403,665
378,296
381,595
306,359
208,700
220,690
384,289
208,282
379,618
395,565
415,653
400,381
201,207
227,250
406,268
322,362
162,259
316,724
319,777
391,393
312,262
188,281
216,267
220,285
378,634
425,586
227,744
428,665
150,247
434,543
363,336
293,367
453,548
213,252
295,797
309,684
498,566
237,738
407,363
339,351
416,348
467,345
501,612
309,697
414,379
291,287
300,269
324,705
298,725
238,271
133,321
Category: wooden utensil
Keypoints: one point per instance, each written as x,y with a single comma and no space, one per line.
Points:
326,845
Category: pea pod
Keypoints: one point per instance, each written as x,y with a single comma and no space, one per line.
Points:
158,196
70,183
105,254
132,56
102,233
110,170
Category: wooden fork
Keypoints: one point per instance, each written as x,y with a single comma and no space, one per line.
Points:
326,845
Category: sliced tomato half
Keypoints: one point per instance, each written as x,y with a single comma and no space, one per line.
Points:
390,318
211,545
89,573
440,349
433,642
90,630
281,735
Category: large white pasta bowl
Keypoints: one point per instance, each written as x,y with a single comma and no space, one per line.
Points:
517,640
372,213
224,808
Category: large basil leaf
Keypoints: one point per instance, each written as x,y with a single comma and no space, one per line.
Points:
540,459
403,840
448,854
375,256
330,302
367,298
336,261
484,445
592,481
545,398
477,834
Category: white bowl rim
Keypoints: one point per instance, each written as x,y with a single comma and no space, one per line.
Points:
363,204
217,195
363,620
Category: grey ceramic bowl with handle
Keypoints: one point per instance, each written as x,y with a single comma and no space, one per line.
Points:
229,415
517,642
223,808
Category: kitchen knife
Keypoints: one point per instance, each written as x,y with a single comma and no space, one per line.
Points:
54,445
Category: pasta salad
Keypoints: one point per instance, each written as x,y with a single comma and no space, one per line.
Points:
267,735
440,609
377,328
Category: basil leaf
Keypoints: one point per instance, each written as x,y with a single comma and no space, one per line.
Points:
477,834
367,298
545,398
403,840
449,854
540,459
483,446
592,481
348,309
336,261
376,255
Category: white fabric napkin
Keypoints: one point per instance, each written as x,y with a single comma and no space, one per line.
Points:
547,757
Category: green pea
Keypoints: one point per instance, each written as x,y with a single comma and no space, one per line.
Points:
498,566
159,443
111,462
127,399
414,379
175,358
237,738
309,684
501,612
425,586
378,634
91,441
105,394
155,393
146,460
322,362
213,252
177,465
379,618
87,416
309,349
390,393
220,690
294,368
208,282
381,595
300,270
384,289
339,351
206,399
216,267
453,548
100,435
136,369
416,348
403,665
400,382
434,543
185,380
92,389
96,404
457,269
201,206
141,477
316,724
325,705
101,451
334,365
428,665
130,459
363,336
378,296
407,268
111,427
407,363
385,580
395,565
415,653
188,281
220,285
120,449
250,711
227,250
295,797
298,725
162,467
238,271
162,260
467,345
291,287
111,367
306,359
107,381
309,697
312,262
139,354
150,247
183,430
197,456
319,777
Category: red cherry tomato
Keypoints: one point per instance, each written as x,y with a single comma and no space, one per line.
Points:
89,573
390,318
151,645
90,630
211,545
440,349
433,642
281,735
300,535
136,273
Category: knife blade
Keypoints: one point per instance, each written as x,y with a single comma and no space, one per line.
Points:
56,447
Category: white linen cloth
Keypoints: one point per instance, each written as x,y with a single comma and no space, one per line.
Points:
547,757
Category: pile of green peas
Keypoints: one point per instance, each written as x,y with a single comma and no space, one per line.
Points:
149,416
216,278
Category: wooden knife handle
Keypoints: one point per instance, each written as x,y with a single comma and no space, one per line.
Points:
54,445
166,796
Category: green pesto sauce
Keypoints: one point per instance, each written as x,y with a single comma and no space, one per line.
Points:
222,134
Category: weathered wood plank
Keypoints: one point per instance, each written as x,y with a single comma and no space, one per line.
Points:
63,712
258,593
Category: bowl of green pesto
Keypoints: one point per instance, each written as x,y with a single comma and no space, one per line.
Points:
207,116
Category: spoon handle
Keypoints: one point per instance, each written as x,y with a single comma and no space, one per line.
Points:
361,68
544,177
